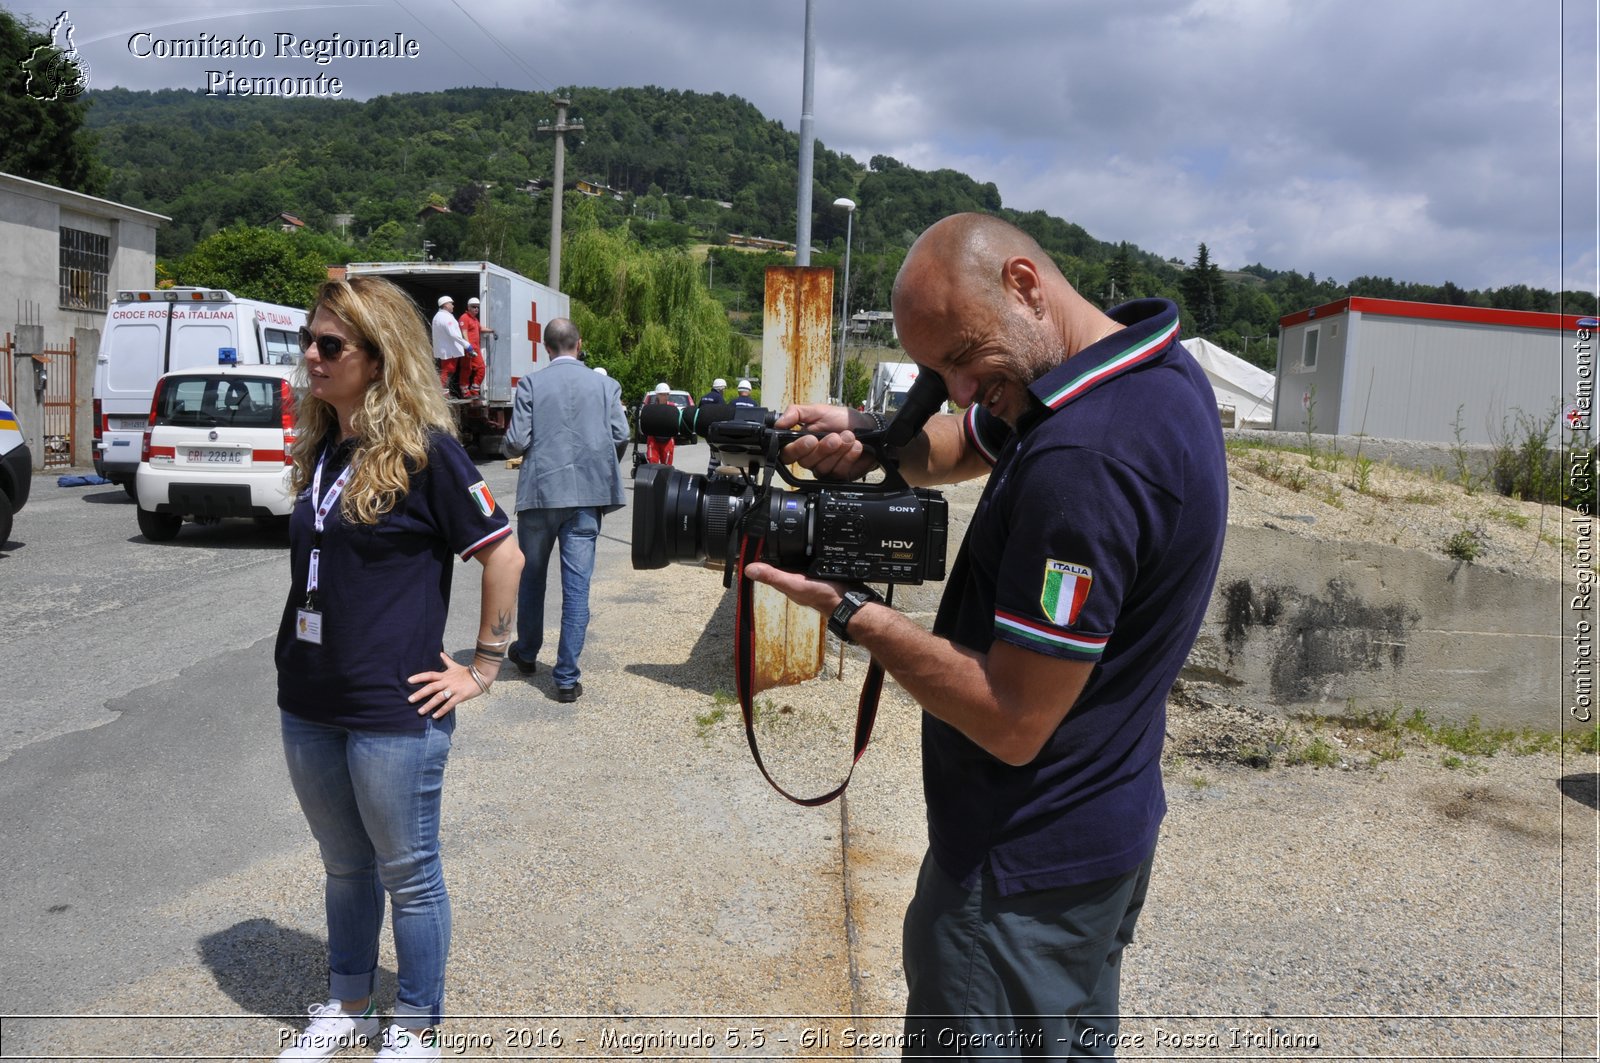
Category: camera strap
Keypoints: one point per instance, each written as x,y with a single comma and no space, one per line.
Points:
744,661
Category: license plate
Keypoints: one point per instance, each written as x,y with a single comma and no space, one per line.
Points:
198,456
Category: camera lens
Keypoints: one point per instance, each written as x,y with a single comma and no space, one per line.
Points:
678,516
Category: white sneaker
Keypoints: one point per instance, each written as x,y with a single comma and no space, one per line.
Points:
331,1030
401,1043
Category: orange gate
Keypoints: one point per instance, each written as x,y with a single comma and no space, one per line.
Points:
60,400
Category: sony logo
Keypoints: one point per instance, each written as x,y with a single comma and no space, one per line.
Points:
902,509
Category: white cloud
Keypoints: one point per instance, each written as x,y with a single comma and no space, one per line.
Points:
1420,139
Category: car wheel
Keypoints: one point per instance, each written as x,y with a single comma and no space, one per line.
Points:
132,488
159,527
274,525
6,516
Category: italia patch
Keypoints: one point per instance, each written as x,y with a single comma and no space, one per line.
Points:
480,494
1066,588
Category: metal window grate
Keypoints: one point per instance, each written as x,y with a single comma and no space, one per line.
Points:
85,265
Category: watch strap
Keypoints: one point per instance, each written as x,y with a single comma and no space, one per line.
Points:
849,605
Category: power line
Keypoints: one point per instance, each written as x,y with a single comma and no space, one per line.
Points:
533,75
444,42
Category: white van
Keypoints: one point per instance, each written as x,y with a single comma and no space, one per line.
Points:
150,333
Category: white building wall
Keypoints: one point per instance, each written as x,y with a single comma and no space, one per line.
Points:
31,217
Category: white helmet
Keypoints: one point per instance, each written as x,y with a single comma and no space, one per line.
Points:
744,385
601,370
473,301
718,384
445,300
662,389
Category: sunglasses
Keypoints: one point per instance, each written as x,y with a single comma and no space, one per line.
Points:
330,347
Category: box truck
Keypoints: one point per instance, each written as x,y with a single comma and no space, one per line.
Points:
516,308
890,382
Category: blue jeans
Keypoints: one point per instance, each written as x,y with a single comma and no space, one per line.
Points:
538,531
372,800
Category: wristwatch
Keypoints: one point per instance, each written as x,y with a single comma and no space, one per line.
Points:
849,605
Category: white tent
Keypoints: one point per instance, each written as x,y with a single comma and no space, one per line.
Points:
1243,390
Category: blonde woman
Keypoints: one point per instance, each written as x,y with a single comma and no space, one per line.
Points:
387,500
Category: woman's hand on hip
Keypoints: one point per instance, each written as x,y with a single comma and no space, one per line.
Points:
443,690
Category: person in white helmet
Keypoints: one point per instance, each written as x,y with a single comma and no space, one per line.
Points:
658,449
715,397
472,367
743,398
448,343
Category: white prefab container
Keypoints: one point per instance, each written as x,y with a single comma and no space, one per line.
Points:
151,332
516,308
1393,369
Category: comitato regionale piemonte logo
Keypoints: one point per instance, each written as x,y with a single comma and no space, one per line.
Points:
56,71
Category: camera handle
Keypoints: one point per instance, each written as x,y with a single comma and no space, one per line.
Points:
744,660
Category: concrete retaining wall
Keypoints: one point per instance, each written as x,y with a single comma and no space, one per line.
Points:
1303,626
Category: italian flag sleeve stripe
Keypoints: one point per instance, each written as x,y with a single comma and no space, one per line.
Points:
1043,634
499,533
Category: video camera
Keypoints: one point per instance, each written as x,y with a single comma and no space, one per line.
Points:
882,532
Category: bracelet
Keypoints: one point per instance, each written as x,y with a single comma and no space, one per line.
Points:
489,655
493,645
483,688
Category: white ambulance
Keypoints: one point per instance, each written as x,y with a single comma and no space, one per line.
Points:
150,333
16,470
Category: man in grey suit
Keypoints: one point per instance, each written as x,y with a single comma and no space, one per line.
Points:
568,424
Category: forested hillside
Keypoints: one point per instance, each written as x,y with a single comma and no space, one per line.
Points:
679,168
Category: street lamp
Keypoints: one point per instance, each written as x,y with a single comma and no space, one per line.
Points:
849,206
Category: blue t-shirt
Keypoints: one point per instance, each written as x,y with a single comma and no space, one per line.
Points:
1097,539
383,592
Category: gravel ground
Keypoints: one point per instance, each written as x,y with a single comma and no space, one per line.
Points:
619,865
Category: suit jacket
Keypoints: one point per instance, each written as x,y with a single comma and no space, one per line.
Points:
568,424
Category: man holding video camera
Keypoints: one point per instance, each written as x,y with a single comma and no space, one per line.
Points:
1077,594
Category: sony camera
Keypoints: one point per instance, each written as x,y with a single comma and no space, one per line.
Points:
878,532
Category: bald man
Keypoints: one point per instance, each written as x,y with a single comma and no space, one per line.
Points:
1074,601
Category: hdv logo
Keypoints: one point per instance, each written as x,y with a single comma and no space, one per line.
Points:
56,71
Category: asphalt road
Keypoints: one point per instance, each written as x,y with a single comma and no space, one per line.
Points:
615,857
618,868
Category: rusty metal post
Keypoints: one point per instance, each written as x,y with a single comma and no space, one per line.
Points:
796,350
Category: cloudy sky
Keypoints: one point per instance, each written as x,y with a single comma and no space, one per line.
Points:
1427,140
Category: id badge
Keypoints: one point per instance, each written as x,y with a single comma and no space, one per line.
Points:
308,626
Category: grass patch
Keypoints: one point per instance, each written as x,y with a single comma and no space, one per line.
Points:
1319,753
1519,521
1464,545
1370,737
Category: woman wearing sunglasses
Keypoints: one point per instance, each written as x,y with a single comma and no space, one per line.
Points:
387,499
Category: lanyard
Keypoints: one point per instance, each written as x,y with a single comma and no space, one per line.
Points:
320,519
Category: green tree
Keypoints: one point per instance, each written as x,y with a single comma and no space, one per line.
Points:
1202,293
255,263
42,110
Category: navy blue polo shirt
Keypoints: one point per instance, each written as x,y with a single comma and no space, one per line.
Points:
1097,539
383,591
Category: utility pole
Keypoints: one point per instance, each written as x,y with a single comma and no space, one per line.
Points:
802,233
560,129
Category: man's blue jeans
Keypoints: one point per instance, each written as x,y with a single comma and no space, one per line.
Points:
538,531
372,800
